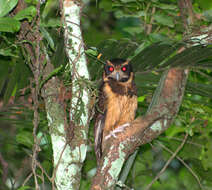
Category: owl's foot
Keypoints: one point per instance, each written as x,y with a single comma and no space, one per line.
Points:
117,130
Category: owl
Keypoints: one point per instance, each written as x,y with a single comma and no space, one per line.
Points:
117,101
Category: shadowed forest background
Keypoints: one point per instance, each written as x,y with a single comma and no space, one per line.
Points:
149,33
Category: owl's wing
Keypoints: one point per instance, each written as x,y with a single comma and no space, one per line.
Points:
99,124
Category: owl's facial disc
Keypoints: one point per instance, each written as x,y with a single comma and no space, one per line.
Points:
118,70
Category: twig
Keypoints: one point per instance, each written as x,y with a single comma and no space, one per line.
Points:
43,170
149,26
186,165
168,162
27,179
179,139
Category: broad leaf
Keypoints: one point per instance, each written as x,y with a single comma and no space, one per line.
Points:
6,6
164,20
190,57
12,83
123,48
47,36
8,24
25,138
7,52
25,188
27,13
4,71
152,56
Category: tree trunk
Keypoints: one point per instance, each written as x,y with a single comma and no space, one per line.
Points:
69,139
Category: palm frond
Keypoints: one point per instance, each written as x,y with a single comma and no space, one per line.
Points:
155,58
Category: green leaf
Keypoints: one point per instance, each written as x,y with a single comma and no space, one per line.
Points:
6,6
152,56
92,51
166,6
106,5
172,131
52,22
12,82
27,13
164,20
25,188
4,72
25,138
53,73
127,1
187,180
133,30
50,7
123,48
141,98
137,14
200,89
207,156
199,169
47,36
191,56
208,15
157,37
8,24
205,4
7,52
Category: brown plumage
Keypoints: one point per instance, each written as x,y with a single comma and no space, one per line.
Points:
117,101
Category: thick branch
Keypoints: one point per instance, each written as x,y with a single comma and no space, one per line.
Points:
142,130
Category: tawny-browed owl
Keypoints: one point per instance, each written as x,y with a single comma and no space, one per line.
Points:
117,101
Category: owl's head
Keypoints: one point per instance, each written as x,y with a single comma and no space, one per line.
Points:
118,69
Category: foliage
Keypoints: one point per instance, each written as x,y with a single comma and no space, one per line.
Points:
149,33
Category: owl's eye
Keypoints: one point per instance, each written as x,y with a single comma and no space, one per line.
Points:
124,69
110,68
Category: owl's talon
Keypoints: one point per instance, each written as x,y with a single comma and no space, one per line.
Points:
117,130
110,134
121,128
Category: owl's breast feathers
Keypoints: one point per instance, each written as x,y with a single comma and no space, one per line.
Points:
120,104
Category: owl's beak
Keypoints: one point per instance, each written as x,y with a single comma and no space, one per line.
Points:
117,76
